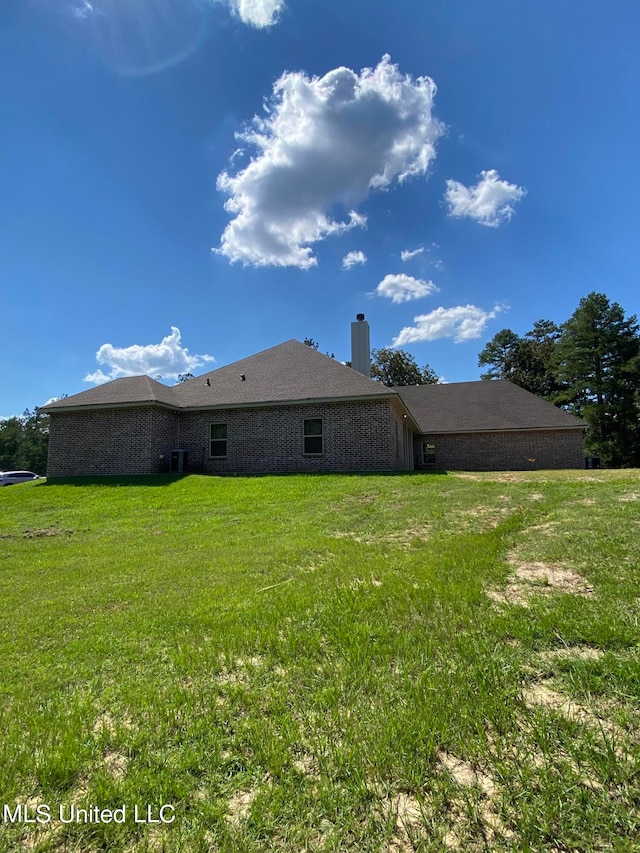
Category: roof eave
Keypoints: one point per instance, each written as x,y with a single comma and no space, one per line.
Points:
501,429
306,401
91,407
406,413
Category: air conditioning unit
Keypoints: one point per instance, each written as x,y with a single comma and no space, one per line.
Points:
179,460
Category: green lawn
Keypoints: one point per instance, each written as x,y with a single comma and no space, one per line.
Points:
323,663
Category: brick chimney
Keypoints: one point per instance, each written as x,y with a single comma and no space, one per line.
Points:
361,346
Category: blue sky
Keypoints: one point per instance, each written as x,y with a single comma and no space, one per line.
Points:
190,180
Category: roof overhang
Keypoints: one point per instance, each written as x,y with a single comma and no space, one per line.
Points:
582,428
306,401
399,405
97,407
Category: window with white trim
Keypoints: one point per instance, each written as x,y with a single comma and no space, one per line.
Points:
313,437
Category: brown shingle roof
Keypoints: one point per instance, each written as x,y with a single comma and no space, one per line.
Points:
482,406
295,372
289,371
129,389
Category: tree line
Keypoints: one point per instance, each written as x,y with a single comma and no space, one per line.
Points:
589,366
24,443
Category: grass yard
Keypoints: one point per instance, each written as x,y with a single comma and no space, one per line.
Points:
322,663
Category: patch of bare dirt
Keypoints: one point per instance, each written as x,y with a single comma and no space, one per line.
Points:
629,496
552,575
307,765
547,527
407,812
570,653
394,537
487,516
116,764
465,775
468,777
105,723
46,531
239,670
239,806
539,578
493,477
41,533
540,694
523,753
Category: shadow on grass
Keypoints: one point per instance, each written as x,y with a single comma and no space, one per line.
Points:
169,479
117,480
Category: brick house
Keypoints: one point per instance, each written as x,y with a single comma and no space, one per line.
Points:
292,409
491,426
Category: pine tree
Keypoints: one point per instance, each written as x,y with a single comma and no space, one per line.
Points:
598,363
500,354
528,362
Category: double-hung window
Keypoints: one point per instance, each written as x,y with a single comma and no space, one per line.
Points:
312,437
218,444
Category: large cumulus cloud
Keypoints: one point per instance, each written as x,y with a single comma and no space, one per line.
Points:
462,323
322,146
166,360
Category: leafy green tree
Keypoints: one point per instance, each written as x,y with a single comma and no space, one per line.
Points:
10,444
185,377
598,362
24,442
395,367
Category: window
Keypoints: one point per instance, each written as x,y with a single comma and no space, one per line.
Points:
313,436
428,454
218,447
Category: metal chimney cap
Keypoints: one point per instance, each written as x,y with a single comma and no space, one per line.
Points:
360,317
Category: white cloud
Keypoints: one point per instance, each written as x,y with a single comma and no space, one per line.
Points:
407,254
352,259
404,288
166,359
324,143
490,202
257,13
462,323
82,11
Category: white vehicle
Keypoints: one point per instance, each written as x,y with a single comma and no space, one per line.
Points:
10,478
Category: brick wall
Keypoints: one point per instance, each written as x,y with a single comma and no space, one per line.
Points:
505,451
111,441
357,437
401,436
165,437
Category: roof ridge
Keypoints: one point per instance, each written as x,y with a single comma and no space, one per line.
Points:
246,357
